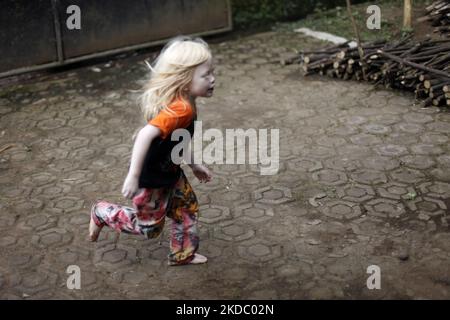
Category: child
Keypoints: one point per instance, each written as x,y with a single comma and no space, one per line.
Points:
182,72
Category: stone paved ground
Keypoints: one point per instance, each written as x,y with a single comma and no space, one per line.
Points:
381,163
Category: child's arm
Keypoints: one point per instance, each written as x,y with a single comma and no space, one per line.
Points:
140,148
200,171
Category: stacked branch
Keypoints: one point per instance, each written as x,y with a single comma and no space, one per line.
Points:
438,14
422,67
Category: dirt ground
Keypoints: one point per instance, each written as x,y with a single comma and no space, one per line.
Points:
364,180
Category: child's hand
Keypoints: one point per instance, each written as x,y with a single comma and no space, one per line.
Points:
130,186
202,173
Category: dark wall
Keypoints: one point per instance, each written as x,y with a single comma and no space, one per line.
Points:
252,13
34,33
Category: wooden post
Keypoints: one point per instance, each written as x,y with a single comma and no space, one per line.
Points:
407,14
358,39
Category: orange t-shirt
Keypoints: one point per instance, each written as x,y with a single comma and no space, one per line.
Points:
180,116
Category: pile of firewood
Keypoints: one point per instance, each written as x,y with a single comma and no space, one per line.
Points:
438,14
422,67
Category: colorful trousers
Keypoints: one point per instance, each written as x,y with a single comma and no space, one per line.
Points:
147,217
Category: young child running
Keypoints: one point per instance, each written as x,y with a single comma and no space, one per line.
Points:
182,72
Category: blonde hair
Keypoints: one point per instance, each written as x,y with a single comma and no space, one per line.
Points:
171,74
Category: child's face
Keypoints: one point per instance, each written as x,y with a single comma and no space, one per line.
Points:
203,81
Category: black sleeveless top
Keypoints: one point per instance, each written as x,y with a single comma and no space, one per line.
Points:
158,170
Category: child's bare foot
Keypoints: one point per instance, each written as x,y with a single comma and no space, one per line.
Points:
198,259
94,230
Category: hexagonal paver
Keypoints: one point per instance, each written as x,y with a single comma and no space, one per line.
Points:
24,261
407,175
82,153
304,164
68,204
375,128
36,282
52,191
436,189
268,170
212,213
391,150
123,149
380,163
259,251
38,222
341,209
417,117
17,155
74,143
230,169
79,219
305,113
387,119
331,141
230,194
353,120
396,190
342,163
106,141
385,208
417,161
434,138
7,220
115,255
7,241
72,256
51,237
78,176
439,126
88,188
352,151
135,277
427,149
84,122
355,192
256,212
288,178
442,174
57,154
273,194
249,180
319,152
365,139
369,177
39,179
330,177
234,231
72,113
285,153
444,160
51,124
339,131
427,206
217,183
409,127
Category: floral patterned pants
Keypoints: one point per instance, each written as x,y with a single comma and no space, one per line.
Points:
147,217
